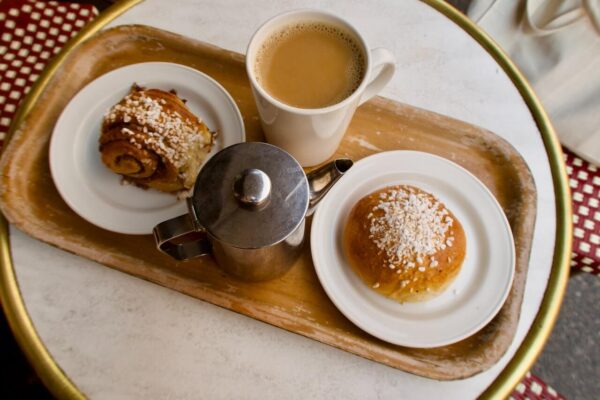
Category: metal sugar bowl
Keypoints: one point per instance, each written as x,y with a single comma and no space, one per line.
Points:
249,206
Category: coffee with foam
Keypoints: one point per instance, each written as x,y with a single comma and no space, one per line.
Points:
310,65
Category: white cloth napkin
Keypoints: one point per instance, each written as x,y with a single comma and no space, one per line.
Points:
556,44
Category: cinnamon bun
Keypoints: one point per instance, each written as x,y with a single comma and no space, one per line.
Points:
154,141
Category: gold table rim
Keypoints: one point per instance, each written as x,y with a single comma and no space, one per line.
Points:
62,387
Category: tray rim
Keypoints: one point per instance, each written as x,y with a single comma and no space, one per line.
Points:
60,384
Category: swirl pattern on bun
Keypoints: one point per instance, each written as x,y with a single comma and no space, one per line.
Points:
154,141
404,243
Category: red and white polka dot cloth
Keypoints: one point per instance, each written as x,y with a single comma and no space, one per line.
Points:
584,179
533,388
32,32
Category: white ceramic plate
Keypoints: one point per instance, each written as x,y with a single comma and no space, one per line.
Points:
90,188
482,285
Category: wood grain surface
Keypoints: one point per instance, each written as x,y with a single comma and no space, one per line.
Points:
296,301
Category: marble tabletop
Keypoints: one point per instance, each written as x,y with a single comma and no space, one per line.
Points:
119,337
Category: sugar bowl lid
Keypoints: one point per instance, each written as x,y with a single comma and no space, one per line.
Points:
250,195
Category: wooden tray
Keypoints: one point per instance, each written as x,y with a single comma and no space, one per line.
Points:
295,302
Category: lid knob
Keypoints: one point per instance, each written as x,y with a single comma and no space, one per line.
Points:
252,188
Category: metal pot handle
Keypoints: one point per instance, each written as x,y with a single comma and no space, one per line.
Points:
166,234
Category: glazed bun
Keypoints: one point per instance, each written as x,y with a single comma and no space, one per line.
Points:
153,140
404,243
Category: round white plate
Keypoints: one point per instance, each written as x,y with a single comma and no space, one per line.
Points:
482,285
89,187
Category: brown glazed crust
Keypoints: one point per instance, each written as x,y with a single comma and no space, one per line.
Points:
371,265
138,162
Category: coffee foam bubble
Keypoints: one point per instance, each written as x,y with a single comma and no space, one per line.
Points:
355,72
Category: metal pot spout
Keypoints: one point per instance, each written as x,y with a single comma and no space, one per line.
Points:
323,178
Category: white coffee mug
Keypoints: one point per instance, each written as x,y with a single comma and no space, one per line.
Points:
313,135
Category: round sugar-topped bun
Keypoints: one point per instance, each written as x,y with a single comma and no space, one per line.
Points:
404,243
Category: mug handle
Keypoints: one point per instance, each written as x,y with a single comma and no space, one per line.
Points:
166,234
383,67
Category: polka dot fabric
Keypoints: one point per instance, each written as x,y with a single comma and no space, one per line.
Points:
533,388
32,32
584,179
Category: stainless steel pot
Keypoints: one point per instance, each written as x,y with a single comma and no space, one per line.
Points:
248,209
